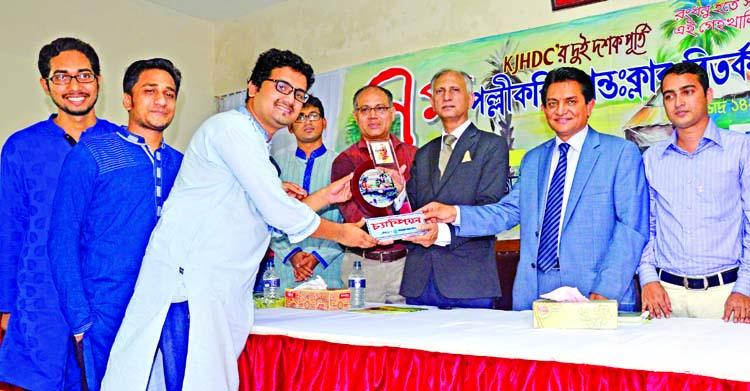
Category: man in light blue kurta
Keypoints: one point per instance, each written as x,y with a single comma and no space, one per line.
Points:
309,165
214,231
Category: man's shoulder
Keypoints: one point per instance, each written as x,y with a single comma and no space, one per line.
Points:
231,119
32,132
490,139
328,157
173,152
733,137
284,154
97,139
102,125
612,141
424,148
229,116
408,148
286,157
653,151
539,149
347,154
406,153
220,126
101,144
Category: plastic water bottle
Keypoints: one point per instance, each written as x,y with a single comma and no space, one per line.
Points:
271,282
357,286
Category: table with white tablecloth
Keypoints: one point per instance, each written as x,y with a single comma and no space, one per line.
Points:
465,349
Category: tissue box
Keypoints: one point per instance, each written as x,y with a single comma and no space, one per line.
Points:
318,299
597,314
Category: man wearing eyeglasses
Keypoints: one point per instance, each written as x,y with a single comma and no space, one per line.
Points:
214,231
383,265
37,343
464,166
309,165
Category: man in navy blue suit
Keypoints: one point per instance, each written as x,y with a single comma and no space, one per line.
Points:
581,200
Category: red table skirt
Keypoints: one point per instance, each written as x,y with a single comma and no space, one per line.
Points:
272,362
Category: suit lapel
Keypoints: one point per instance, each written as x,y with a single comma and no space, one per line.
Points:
466,142
545,159
586,162
433,155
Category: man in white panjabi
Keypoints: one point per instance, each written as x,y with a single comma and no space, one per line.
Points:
214,231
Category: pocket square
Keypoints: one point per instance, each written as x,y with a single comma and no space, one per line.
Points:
467,157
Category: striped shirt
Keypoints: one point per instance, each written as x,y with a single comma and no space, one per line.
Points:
700,208
312,174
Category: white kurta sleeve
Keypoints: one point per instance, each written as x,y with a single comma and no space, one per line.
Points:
244,151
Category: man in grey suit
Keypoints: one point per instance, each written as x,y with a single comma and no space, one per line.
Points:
581,200
464,166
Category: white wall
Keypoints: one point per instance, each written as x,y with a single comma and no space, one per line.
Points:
121,32
331,34
216,58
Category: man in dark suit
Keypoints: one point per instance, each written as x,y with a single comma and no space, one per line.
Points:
464,166
581,200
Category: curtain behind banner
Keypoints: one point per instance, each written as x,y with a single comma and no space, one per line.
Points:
328,88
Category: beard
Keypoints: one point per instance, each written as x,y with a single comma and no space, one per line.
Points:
151,125
78,111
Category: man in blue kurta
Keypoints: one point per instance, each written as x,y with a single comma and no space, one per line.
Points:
108,200
35,349
309,165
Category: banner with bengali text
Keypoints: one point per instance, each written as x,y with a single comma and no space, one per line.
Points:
625,52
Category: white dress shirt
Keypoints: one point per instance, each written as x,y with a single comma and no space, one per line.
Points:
444,233
574,152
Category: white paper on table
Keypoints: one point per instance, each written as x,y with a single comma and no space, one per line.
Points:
566,294
316,283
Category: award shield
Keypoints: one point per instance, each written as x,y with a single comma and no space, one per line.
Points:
378,188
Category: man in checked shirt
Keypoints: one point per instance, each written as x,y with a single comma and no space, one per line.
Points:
695,263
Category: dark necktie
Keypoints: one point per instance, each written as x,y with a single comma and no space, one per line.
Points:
445,153
547,257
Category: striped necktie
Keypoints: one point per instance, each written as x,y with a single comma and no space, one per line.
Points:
547,257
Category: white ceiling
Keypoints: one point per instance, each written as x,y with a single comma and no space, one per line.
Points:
216,10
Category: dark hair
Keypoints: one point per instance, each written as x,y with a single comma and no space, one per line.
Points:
275,58
135,69
687,67
385,91
315,102
54,48
569,73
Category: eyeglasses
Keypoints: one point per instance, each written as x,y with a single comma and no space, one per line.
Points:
380,110
312,117
285,88
63,78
